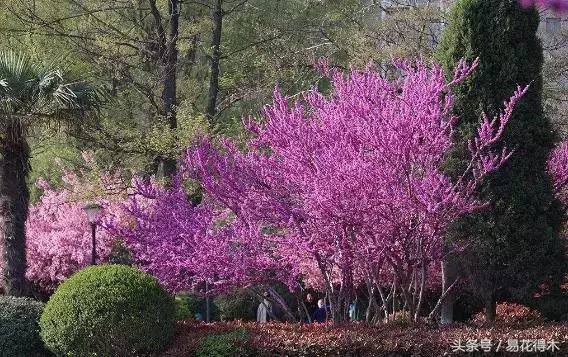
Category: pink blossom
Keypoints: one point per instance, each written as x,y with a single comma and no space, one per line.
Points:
184,246
557,166
354,181
556,5
58,235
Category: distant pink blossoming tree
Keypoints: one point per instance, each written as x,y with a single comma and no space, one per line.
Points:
58,234
557,166
556,5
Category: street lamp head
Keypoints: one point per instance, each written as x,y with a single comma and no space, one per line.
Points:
94,212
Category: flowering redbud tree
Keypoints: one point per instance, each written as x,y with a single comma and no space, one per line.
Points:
349,188
183,245
556,5
58,233
557,166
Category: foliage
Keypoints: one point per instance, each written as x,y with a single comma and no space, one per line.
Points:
30,95
466,305
174,241
182,307
236,304
513,315
108,310
402,318
49,146
552,307
515,243
348,185
19,330
32,92
189,334
356,339
263,43
557,166
119,254
224,345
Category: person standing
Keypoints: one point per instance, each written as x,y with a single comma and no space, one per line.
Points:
264,309
355,310
311,307
320,315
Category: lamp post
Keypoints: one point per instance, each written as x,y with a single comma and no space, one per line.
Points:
94,212
207,303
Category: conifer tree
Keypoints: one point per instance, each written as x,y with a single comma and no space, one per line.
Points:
516,243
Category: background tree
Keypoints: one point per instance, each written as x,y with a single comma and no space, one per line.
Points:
29,95
517,244
218,74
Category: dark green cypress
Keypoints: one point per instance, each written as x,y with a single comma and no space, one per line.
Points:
515,242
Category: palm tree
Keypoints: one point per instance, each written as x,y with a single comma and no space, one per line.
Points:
30,94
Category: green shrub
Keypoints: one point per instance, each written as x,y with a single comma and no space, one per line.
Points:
236,305
229,344
108,310
19,330
183,311
190,305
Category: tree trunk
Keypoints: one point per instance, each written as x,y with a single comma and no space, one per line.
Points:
490,309
14,199
166,166
420,291
277,299
211,110
448,277
447,312
169,91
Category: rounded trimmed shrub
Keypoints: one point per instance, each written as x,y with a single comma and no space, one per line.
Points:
108,310
19,330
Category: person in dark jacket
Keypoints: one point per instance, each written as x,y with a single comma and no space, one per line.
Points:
311,307
320,315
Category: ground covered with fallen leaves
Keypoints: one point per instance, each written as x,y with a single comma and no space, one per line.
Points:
360,339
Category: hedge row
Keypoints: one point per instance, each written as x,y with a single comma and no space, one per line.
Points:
352,340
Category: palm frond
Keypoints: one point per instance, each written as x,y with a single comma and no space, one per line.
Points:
29,91
79,96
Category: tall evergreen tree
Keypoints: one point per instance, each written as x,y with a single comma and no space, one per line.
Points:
516,243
